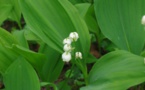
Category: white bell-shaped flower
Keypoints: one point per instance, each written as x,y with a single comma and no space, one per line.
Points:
74,36
67,41
67,48
66,56
78,55
143,20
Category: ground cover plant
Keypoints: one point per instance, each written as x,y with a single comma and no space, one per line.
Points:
72,44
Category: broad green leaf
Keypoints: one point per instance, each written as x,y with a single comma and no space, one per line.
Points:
53,65
6,38
35,59
120,21
12,48
91,21
9,54
83,8
5,10
92,24
117,70
16,12
53,20
21,76
6,58
29,35
21,38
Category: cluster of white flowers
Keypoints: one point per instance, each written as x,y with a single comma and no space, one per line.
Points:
66,56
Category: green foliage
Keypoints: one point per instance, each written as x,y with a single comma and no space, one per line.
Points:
20,35
117,70
36,59
5,10
20,75
80,1
15,13
53,65
83,8
114,25
6,38
45,23
10,44
120,21
7,57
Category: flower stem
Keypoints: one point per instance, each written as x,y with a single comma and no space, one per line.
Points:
84,71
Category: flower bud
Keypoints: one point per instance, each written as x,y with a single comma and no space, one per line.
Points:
66,56
67,41
143,20
74,36
67,47
78,55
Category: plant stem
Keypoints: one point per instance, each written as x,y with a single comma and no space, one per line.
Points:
71,71
85,74
84,71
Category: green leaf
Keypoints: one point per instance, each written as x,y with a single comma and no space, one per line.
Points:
76,1
5,10
49,84
120,21
53,20
35,59
11,48
21,76
63,85
83,8
53,65
29,35
6,38
117,70
16,12
91,59
21,38
9,54
91,21
7,57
